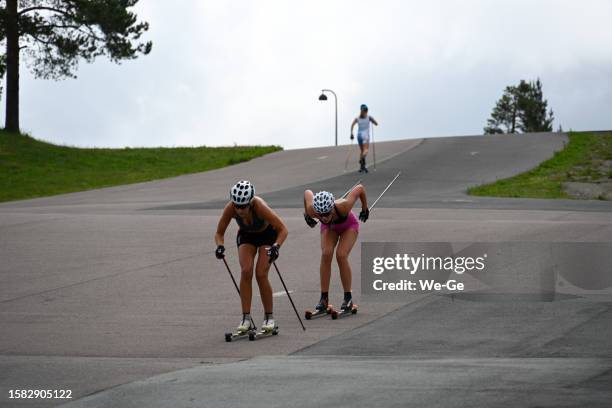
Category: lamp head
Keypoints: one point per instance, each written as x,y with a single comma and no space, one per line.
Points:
323,97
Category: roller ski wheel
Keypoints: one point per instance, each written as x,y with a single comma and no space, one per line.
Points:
237,335
256,335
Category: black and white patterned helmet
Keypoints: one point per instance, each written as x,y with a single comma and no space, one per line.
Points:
242,192
323,202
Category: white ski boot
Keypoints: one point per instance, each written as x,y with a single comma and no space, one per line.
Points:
246,324
268,325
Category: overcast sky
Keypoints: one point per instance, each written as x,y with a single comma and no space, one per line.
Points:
250,72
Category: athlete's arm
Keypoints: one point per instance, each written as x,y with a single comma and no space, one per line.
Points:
264,211
373,121
308,204
226,217
353,125
309,209
346,205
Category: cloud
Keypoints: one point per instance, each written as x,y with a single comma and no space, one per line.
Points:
250,72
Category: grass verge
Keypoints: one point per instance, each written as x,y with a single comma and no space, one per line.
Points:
31,168
586,158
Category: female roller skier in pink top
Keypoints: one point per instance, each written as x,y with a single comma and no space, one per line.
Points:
339,231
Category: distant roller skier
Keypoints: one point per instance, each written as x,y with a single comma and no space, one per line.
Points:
262,232
363,135
339,231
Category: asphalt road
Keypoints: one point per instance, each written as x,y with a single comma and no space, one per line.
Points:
116,294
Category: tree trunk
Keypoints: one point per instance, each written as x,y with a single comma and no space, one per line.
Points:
12,67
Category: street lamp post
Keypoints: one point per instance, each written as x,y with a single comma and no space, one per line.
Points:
323,97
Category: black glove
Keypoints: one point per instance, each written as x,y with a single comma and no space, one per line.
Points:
273,252
364,215
220,252
352,136
310,221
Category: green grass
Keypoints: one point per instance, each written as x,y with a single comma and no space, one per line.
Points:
31,168
586,158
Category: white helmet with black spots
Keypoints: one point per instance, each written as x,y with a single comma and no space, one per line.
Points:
323,202
242,192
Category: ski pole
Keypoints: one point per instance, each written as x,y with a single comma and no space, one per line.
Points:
373,147
232,276
348,155
351,189
288,295
384,191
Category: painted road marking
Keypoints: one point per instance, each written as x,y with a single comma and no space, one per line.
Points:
282,293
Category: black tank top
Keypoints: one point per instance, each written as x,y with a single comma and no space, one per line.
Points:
340,219
256,226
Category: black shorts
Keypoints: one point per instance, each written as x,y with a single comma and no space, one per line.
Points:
257,239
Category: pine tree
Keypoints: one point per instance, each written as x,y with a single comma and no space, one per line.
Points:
55,34
534,113
521,108
504,113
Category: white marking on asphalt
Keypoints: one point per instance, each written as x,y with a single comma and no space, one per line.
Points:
474,153
277,294
321,157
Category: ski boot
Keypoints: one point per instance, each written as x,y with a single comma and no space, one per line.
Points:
268,328
268,325
362,168
348,308
321,309
245,328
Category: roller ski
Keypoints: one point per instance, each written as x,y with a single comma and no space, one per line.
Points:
362,166
323,308
244,330
268,328
348,308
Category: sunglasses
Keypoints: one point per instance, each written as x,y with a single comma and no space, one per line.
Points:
327,214
241,206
